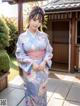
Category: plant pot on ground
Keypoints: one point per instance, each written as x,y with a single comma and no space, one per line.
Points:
4,58
4,69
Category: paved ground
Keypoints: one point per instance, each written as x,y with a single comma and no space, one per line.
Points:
63,90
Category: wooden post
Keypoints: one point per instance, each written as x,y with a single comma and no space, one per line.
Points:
20,16
77,46
73,47
20,24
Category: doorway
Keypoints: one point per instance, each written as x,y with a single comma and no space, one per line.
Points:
60,31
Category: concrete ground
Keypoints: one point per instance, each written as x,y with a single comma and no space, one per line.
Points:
63,90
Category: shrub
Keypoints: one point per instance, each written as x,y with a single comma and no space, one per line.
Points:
4,34
4,62
13,35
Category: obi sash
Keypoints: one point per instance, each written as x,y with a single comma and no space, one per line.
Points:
36,54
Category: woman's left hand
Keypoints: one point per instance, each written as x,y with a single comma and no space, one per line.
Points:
42,66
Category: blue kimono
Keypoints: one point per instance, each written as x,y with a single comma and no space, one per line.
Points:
34,49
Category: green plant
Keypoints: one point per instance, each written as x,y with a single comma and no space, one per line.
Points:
4,62
11,23
4,57
4,34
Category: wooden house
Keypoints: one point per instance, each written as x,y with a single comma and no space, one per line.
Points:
64,32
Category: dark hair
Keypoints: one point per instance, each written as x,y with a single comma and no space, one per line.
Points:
37,11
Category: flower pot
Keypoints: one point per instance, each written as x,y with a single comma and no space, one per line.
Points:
3,81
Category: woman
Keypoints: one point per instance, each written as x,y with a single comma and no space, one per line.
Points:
34,54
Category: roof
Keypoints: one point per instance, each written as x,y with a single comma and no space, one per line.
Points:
64,5
16,1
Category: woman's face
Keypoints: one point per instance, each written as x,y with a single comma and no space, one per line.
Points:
35,23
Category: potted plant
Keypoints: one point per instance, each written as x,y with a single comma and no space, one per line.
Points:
4,69
4,57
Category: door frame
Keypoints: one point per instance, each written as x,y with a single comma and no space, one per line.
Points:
72,43
69,44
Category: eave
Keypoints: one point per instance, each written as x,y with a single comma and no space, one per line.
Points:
17,1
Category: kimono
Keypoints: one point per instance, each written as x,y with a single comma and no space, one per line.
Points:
34,49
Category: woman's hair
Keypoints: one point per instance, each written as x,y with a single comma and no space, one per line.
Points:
37,11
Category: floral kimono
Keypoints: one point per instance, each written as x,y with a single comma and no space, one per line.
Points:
34,49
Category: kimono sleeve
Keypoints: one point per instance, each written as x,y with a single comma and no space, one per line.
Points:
21,56
48,55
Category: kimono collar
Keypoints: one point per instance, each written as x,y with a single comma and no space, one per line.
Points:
35,34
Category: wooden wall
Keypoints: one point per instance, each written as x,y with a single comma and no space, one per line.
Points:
73,55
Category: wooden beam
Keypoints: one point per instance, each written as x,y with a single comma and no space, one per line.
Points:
17,1
10,1
20,17
20,24
73,47
60,16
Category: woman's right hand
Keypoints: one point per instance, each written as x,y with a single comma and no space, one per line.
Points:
35,67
